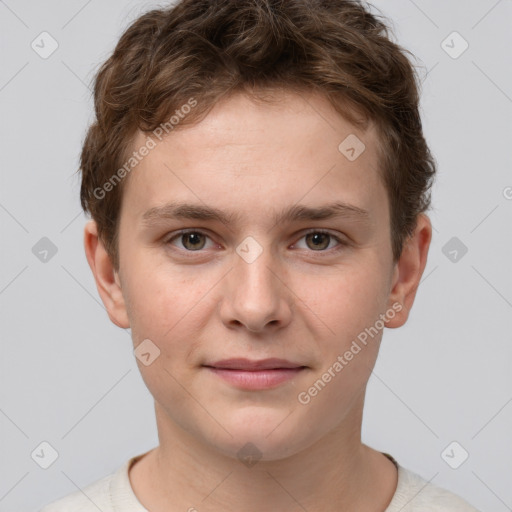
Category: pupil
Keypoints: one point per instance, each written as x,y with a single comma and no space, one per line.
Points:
192,239
317,239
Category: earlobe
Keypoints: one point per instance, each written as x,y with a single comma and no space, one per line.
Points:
408,271
107,279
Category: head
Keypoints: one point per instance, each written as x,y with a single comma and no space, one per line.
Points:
244,123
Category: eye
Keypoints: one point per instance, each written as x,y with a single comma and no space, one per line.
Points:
191,240
319,240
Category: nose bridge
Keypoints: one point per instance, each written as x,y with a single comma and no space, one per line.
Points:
255,281
255,295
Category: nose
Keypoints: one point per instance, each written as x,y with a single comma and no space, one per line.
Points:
256,295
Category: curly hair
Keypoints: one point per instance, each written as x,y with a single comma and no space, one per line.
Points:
206,49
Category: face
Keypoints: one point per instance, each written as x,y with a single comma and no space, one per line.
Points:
260,265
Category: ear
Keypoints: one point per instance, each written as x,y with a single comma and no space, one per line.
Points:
107,279
408,271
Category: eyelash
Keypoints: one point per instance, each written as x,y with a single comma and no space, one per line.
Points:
342,243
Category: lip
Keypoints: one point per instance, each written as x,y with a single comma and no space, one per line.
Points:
242,363
255,375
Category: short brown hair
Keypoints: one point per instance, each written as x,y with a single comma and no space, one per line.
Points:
206,49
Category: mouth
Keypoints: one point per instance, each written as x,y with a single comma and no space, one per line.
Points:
255,375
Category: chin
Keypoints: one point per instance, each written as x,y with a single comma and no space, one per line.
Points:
263,435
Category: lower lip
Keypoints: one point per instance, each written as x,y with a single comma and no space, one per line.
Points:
259,379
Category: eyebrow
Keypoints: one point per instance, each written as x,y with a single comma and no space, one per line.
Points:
182,210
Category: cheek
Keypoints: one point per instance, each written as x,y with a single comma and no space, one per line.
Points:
160,296
172,312
348,300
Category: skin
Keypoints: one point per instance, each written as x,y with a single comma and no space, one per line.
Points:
295,301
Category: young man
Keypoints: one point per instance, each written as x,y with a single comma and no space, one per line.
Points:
257,178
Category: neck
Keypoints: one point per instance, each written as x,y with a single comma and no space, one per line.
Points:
337,473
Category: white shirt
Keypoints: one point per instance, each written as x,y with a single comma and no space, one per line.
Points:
114,493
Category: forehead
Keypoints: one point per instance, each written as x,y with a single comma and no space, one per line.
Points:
255,156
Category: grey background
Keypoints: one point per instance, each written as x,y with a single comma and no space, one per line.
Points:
68,376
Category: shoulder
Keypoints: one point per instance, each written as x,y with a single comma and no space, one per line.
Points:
415,494
93,497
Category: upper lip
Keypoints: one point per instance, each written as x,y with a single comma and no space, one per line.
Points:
248,364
